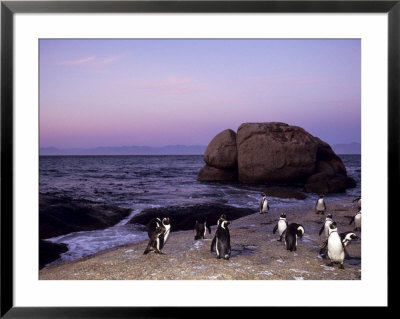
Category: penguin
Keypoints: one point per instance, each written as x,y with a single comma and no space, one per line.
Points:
201,228
156,223
325,226
346,239
222,240
219,221
335,246
281,226
358,200
357,221
155,241
320,206
264,206
293,231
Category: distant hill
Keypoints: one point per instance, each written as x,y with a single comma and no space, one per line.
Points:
351,148
128,150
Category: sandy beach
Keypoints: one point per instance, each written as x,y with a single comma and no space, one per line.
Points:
256,253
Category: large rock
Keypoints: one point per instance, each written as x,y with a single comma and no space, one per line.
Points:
63,215
221,152
283,192
275,152
323,183
212,174
327,161
184,217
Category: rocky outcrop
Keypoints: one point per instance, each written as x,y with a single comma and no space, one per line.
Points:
283,192
212,174
63,215
221,152
324,183
49,252
184,217
273,153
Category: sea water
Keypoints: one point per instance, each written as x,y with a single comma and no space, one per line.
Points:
139,182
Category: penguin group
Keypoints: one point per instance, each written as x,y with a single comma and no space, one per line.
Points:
333,246
335,243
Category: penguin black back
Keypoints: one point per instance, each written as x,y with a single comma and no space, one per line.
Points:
293,231
223,240
152,225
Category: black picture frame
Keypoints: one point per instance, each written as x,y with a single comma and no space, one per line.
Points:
9,8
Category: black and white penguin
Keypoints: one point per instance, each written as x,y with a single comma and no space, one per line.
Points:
346,239
222,239
281,226
358,200
356,219
335,246
293,231
264,206
325,226
156,223
320,206
201,228
219,221
155,241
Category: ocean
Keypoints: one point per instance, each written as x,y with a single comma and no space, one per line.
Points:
139,182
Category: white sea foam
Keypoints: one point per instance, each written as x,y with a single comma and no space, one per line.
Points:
84,243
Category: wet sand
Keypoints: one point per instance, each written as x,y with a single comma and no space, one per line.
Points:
256,253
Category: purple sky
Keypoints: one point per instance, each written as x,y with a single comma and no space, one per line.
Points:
165,92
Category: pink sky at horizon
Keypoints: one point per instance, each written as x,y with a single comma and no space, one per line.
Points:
166,92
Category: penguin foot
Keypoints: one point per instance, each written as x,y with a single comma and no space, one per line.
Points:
341,266
330,264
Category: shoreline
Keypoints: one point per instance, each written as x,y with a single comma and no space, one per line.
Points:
256,253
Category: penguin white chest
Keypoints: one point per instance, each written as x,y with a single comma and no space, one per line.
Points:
357,220
335,248
320,204
265,205
167,230
281,226
205,230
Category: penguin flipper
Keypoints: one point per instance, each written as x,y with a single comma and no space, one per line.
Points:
261,205
352,220
213,244
322,229
209,229
275,228
268,206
